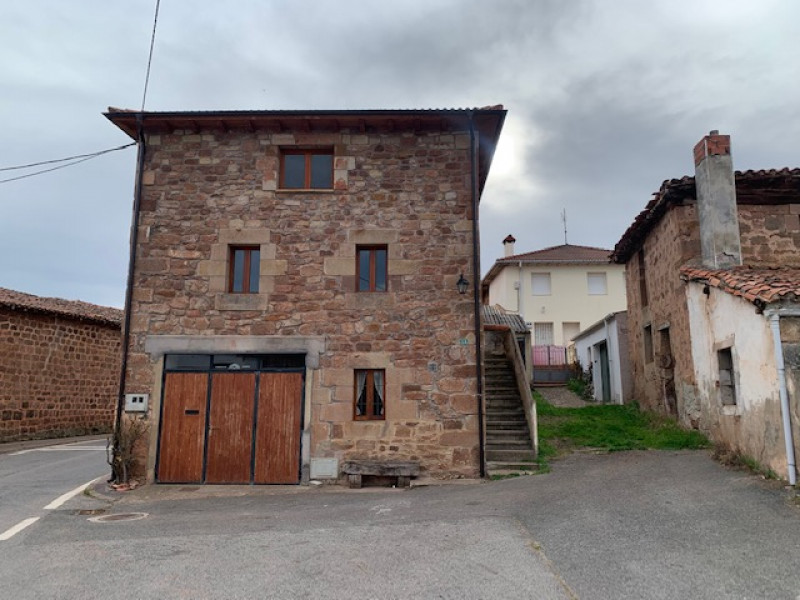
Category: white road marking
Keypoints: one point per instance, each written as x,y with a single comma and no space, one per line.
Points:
64,497
57,449
9,533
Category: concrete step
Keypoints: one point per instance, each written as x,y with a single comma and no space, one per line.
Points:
508,467
509,455
501,435
523,444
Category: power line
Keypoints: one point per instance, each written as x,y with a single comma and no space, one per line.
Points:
68,158
74,160
150,56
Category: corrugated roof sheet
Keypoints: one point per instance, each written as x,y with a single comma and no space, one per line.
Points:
76,309
754,284
494,315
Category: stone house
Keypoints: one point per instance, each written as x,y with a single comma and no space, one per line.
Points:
558,290
708,265
59,366
301,291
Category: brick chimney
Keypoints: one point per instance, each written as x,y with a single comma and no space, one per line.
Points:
508,245
716,202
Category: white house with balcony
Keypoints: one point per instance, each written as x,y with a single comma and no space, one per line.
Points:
559,290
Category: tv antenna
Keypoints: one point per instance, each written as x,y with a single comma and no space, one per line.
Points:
564,220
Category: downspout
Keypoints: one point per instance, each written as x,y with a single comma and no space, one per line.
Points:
134,240
476,277
519,289
774,322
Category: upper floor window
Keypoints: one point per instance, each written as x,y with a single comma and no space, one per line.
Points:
371,268
598,286
540,284
306,169
244,269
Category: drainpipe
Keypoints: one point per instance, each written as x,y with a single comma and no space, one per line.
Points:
774,321
134,240
476,277
519,289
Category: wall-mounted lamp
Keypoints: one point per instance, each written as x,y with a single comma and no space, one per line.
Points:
462,285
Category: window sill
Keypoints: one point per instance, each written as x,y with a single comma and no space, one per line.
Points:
731,410
240,302
305,191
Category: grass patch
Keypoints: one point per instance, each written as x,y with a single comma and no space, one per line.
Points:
577,387
609,428
737,460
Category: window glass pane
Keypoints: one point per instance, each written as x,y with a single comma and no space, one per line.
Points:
235,362
322,171
363,270
185,362
255,257
380,270
597,284
543,334
294,170
540,284
283,361
237,285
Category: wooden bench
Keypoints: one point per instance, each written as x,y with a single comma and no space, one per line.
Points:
402,470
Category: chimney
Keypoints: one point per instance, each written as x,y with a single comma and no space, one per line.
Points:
716,202
508,245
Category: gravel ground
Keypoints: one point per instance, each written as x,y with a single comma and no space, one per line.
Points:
561,396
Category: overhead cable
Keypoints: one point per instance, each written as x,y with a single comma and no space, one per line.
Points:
67,162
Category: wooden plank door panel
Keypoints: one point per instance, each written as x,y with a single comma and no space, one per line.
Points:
183,424
280,399
230,428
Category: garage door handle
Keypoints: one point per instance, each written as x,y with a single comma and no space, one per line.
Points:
190,411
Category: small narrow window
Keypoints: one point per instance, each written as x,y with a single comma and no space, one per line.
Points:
370,395
540,284
648,344
597,284
243,273
727,377
371,268
642,278
306,170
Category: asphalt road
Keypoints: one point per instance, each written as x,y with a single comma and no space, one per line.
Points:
627,525
32,478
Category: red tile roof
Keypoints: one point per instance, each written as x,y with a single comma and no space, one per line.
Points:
760,285
565,253
774,186
75,309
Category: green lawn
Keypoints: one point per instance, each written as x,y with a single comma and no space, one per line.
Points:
609,428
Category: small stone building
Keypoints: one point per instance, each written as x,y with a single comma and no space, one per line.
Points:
717,222
296,299
59,366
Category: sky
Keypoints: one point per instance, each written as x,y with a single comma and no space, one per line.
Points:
605,101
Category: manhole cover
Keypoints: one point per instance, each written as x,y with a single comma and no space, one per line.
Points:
118,517
91,511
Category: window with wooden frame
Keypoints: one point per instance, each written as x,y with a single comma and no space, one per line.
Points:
244,269
371,268
370,395
306,169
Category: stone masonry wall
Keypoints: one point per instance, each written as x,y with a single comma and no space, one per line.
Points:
203,191
673,241
58,376
770,234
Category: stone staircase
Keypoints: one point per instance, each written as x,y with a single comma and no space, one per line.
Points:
508,440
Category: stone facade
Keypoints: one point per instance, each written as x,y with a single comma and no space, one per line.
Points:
403,185
59,374
665,237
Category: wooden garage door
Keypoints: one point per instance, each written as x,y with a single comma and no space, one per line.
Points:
245,428
183,425
277,449
230,428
